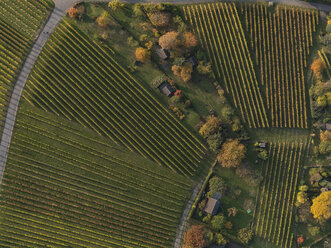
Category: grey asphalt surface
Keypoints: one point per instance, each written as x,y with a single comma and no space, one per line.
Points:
60,8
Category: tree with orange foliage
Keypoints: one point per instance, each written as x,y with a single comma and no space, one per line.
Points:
169,40
76,12
143,55
318,66
195,237
232,153
189,40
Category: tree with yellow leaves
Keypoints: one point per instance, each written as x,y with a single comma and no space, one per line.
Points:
232,153
321,208
143,55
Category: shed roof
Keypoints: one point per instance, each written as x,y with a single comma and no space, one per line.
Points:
162,53
166,89
212,206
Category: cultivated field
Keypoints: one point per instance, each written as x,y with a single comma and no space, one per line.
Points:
281,40
274,214
220,31
65,185
77,78
19,22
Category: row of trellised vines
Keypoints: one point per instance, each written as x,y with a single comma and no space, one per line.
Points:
280,40
221,34
274,216
19,22
80,80
64,190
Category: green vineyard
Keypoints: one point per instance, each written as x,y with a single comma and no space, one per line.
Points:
65,185
76,78
274,215
281,42
220,31
19,23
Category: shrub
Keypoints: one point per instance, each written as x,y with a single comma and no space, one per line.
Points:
76,12
214,141
115,4
217,222
228,225
263,155
204,68
245,235
322,101
189,40
313,230
317,67
325,145
303,188
132,42
207,219
220,240
211,126
301,198
186,72
103,20
143,55
216,185
137,10
143,37
183,71
160,19
232,153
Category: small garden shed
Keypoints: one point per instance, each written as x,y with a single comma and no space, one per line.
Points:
212,206
166,89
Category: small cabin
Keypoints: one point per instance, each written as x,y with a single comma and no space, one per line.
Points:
162,53
212,206
262,145
166,89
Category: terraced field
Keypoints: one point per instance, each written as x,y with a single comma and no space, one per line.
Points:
274,215
281,41
65,185
80,80
221,34
19,23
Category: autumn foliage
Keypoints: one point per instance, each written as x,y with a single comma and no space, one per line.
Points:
194,238
75,12
317,67
232,153
143,55
169,40
183,71
189,40
103,20
321,208
211,126
160,19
